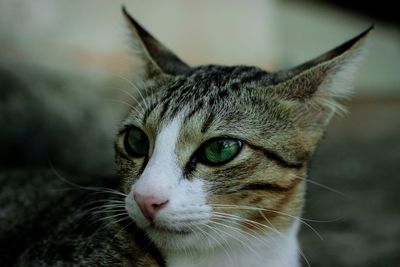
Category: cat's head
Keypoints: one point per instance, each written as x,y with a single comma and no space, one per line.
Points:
213,153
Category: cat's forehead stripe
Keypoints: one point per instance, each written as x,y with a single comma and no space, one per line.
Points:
203,85
207,122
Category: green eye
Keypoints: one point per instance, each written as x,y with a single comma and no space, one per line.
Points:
136,142
220,151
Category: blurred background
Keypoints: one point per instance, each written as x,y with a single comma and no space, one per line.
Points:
64,65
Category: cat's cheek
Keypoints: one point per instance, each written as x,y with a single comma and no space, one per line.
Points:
128,170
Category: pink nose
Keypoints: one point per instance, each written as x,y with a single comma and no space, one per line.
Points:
149,205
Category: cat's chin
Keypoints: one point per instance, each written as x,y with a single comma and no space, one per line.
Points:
175,239
154,229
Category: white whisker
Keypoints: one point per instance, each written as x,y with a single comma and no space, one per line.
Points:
326,187
219,243
268,210
216,231
241,233
123,102
260,224
97,190
135,87
132,97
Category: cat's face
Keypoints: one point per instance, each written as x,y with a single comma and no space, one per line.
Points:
216,154
210,144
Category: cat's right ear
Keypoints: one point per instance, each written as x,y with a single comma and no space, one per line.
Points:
318,85
157,58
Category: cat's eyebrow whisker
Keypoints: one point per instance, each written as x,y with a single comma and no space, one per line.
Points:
149,91
123,102
146,100
133,86
132,97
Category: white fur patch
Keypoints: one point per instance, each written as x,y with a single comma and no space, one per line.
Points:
163,178
162,174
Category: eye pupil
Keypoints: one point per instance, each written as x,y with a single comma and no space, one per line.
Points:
136,142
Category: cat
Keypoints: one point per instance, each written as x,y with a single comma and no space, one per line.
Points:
214,158
212,162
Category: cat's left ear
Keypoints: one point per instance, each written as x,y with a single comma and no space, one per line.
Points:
318,84
157,58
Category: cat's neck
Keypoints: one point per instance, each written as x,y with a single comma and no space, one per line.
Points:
274,250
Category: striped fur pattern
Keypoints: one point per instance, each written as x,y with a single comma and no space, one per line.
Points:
252,203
